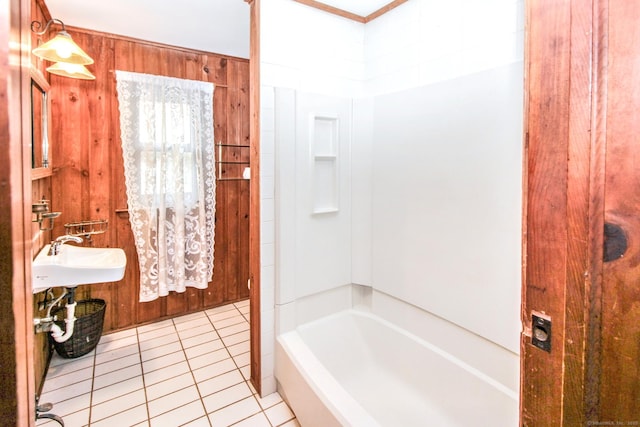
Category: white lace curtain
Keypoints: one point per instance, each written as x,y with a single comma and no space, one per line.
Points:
166,127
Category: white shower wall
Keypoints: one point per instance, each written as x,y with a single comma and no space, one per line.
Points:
447,84
308,50
447,200
303,50
418,44
427,41
313,206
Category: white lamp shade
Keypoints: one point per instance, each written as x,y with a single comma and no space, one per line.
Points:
75,71
62,48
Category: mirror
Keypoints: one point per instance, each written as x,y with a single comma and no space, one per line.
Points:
40,113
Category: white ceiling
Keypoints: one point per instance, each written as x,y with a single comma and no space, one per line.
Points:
219,26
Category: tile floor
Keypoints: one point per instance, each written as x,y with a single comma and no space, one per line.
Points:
187,371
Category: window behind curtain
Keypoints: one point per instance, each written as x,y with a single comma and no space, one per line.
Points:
168,149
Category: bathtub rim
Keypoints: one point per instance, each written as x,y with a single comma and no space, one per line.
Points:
409,335
328,391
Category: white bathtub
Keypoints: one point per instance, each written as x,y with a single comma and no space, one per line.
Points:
355,369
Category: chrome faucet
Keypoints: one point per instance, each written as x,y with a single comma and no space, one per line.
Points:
57,244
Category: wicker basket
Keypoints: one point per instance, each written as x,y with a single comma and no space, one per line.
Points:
87,329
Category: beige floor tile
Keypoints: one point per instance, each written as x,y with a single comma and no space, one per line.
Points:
233,413
257,420
117,376
172,401
179,416
221,382
129,417
122,403
226,397
165,373
279,414
177,372
169,386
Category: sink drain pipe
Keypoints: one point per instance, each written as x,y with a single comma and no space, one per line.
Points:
46,324
56,331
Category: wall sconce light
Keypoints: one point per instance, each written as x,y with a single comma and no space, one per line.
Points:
70,58
75,71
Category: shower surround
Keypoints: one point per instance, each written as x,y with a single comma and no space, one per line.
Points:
413,215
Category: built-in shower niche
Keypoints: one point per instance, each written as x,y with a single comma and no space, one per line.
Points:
324,141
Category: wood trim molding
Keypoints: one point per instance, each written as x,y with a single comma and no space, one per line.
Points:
383,10
349,15
254,209
333,10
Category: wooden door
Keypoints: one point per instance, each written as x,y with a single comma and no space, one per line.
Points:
582,182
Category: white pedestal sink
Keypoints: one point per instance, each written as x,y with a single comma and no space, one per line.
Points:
75,265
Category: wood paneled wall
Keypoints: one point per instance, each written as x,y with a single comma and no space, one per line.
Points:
40,189
582,177
88,172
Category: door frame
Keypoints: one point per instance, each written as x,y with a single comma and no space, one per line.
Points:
563,215
254,207
17,406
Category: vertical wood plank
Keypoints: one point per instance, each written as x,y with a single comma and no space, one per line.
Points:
596,212
244,194
69,117
194,70
97,204
242,236
254,215
231,187
547,109
620,316
578,205
218,71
